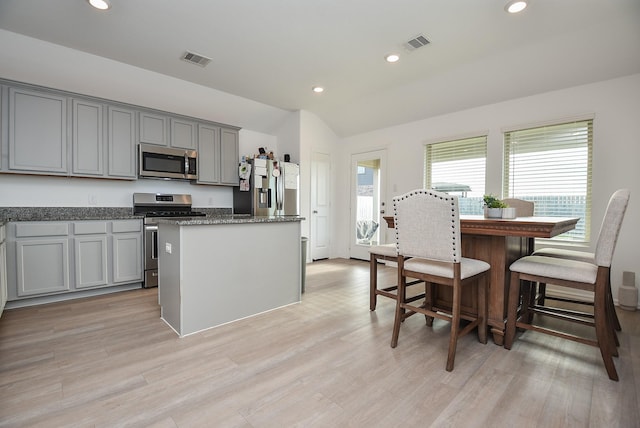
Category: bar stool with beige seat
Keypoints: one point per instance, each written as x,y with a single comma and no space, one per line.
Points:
523,208
581,256
382,253
428,237
574,274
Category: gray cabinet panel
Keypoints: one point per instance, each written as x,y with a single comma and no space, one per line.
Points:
153,129
90,228
37,131
3,270
87,138
127,257
208,154
90,261
41,228
183,134
121,226
42,266
229,158
121,143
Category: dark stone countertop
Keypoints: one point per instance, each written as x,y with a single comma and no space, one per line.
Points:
8,214
230,219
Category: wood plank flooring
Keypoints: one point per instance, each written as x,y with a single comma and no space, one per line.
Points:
109,361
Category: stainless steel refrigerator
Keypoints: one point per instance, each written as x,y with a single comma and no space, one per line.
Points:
273,189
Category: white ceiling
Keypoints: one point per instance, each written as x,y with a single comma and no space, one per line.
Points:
274,51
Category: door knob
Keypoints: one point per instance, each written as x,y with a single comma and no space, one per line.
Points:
315,211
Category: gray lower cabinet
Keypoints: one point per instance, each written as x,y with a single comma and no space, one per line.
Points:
46,258
218,153
127,251
37,131
41,258
91,256
3,269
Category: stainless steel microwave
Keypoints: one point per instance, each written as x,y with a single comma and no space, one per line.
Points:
167,162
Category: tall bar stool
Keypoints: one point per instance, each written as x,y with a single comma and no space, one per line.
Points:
573,274
429,248
382,253
581,256
523,208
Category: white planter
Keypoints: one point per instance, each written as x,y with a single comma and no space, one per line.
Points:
509,213
493,212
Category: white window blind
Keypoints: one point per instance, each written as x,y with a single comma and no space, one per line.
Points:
458,167
551,166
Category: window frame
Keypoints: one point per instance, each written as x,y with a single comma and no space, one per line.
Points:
478,144
547,133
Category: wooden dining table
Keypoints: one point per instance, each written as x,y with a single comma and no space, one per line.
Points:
498,242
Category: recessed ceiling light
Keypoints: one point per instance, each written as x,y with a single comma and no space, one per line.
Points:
515,6
392,58
100,4
318,89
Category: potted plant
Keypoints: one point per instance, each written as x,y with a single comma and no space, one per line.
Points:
493,206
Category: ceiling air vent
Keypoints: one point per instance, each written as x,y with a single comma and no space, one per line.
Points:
416,42
195,58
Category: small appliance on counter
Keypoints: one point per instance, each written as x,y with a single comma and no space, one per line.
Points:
153,206
272,189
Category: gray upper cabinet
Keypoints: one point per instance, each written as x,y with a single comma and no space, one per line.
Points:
217,155
46,131
183,134
87,138
154,129
121,142
37,131
229,157
208,154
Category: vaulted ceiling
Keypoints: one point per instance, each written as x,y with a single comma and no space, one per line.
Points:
274,51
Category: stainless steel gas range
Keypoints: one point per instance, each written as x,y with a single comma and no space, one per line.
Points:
154,206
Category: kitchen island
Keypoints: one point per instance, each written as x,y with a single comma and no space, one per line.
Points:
215,270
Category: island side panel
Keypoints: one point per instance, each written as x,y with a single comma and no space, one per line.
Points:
232,271
169,296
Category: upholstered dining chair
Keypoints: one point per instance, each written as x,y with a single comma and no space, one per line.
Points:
523,208
429,246
582,256
573,274
382,253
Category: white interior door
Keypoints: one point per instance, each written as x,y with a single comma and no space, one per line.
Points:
367,202
319,241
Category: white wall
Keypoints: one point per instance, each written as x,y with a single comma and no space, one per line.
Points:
317,137
616,152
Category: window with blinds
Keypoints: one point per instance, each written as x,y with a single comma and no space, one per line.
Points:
551,166
458,167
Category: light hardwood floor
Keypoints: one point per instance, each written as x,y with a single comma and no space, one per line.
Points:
110,361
